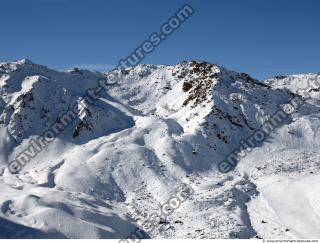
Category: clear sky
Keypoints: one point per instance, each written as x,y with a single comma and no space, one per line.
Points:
262,38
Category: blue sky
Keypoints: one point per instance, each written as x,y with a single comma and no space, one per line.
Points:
262,38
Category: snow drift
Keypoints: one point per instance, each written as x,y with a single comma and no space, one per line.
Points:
157,127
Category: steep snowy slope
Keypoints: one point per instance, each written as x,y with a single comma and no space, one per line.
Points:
119,158
214,107
35,100
286,171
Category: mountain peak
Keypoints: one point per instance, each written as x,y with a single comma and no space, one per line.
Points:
157,126
25,61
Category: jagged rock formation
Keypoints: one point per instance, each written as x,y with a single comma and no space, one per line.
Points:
117,158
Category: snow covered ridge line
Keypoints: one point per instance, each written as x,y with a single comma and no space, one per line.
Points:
38,145
272,123
149,223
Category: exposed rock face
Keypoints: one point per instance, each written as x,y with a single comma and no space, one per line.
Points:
117,159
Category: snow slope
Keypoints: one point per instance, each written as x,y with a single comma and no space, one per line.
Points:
294,203
157,127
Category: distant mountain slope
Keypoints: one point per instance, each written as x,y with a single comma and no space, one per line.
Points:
119,158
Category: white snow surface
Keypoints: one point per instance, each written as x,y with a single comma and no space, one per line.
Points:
154,129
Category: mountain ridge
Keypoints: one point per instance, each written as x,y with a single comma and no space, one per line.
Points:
155,128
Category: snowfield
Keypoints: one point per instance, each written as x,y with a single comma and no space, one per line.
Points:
292,202
158,127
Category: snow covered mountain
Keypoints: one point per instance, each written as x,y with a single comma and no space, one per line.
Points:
120,156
